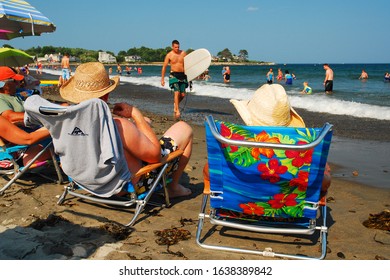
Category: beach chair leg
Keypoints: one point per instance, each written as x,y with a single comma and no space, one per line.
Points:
201,218
166,195
56,166
323,233
16,177
138,209
20,171
62,197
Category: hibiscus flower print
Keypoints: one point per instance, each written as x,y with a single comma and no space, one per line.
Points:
300,157
251,208
264,137
302,181
226,132
273,171
280,200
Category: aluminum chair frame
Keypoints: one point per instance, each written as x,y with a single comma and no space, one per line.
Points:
215,220
19,171
140,201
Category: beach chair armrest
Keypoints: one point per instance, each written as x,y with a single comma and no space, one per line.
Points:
152,166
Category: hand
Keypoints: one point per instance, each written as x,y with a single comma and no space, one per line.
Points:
163,82
123,109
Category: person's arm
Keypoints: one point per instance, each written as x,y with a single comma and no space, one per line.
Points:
12,116
14,134
163,70
138,137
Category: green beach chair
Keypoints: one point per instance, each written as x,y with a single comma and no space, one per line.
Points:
265,180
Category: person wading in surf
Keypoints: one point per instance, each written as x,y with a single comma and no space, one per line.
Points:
177,78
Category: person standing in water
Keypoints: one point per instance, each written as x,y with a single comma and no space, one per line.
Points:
328,82
270,76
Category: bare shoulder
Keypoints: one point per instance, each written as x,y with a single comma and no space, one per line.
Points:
170,54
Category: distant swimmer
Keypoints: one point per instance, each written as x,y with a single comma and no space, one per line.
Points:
280,75
363,75
226,75
306,88
288,78
270,76
386,77
119,69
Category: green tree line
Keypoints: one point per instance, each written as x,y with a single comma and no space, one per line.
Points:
146,54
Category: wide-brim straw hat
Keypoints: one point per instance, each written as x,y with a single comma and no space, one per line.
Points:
269,106
90,80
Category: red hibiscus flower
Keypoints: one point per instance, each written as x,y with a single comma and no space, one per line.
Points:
251,208
300,157
301,181
264,137
280,200
272,171
226,132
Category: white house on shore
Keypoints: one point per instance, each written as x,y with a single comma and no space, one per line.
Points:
106,58
133,58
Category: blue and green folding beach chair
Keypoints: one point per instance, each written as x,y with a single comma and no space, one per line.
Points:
11,162
265,180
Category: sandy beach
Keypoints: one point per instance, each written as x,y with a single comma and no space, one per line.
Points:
33,226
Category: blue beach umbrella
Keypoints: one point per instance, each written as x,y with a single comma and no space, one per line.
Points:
18,19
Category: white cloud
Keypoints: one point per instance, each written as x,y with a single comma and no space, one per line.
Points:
252,9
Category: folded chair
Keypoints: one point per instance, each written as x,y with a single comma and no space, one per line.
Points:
11,156
266,180
91,153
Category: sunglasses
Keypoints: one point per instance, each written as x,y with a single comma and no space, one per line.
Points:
9,80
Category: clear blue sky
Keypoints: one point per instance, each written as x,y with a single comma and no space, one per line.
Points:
283,31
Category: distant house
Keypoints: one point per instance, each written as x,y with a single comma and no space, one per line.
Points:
132,58
56,58
53,57
106,58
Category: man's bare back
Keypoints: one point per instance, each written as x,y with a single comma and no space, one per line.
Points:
65,62
329,74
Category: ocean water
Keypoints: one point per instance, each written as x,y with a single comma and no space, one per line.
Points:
359,98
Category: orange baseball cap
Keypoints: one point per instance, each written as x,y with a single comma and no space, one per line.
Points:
7,73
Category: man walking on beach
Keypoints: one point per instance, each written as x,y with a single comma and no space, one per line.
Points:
177,79
328,82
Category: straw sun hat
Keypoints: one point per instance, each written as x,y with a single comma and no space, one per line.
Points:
269,106
90,80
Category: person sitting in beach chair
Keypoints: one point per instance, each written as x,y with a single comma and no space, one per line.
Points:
13,134
139,142
269,106
11,106
269,176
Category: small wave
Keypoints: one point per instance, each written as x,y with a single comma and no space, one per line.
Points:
323,104
314,103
